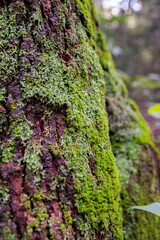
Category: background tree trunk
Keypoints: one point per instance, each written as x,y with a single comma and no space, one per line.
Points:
137,156
57,172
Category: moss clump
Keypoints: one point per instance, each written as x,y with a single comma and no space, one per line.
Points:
32,159
7,151
4,193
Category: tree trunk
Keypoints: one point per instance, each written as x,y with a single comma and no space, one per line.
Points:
135,151
57,172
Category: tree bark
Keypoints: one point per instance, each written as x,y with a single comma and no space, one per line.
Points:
136,154
57,172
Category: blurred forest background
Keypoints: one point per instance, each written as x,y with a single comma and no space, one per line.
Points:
132,32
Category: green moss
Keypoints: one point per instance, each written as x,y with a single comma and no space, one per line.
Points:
32,159
21,130
37,214
134,149
85,15
2,94
80,87
39,196
143,132
55,148
7,151
4,193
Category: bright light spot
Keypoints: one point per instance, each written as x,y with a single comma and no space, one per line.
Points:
136,5
106,4
117,5
111,3
125,5
117,51
115,11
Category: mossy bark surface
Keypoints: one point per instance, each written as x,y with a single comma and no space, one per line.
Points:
135,151
58,175
58,178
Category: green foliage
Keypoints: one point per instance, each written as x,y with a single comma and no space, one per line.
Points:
152,208
154,110
118,19
145,82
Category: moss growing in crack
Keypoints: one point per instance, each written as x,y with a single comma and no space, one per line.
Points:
2,94
4,193
55,149
37,215
21,130
7,151
32,160
85,16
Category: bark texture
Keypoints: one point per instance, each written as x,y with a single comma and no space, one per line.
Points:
57,172
136,154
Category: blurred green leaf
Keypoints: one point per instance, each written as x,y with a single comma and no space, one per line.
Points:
155,110
152,208
119,19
